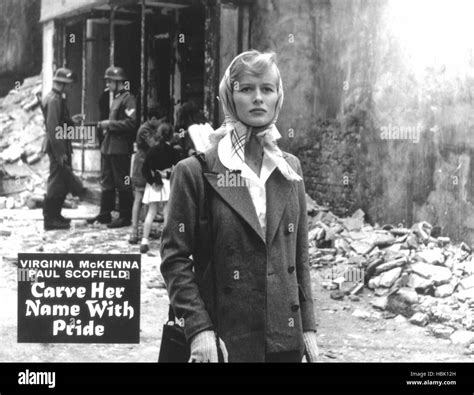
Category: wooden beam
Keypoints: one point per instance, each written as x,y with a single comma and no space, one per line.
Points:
211,60
84,85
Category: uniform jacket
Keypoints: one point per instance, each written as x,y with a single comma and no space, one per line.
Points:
263,301
123,125
56,115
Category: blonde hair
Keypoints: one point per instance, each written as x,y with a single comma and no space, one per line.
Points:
251,62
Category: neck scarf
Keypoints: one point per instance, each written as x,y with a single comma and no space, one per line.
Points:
240,133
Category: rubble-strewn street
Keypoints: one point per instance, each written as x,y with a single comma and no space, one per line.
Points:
416,305
22,231
383,293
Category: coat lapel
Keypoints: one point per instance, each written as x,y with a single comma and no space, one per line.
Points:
277,188
237,197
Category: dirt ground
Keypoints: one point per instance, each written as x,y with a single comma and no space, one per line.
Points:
343,337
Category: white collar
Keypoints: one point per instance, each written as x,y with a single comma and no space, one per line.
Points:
224,151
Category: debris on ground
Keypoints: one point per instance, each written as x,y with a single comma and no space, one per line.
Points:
412,272
23,167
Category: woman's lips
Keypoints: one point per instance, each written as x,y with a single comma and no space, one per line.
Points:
258,110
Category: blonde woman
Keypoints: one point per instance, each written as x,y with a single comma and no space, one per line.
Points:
256,296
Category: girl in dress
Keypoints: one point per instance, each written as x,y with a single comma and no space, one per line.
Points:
156,170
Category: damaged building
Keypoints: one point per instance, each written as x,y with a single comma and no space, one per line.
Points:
172,52
378,121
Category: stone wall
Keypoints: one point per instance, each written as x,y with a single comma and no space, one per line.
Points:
325,53
20,46
372,130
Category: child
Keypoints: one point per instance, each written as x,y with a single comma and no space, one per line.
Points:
193,129
157,170
146,136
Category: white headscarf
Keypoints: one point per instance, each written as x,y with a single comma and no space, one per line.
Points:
241,133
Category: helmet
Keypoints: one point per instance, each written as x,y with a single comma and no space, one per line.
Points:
115,73
64,75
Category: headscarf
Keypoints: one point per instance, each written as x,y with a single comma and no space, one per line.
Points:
240,133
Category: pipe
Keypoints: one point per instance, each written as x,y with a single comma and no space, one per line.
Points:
112,35
112,46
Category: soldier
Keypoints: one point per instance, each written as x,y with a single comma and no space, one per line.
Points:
59,150
116,149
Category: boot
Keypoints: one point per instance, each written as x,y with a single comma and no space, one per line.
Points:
125,207
51,221
107,204
57,209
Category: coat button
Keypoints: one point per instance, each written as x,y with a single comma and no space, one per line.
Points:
227,290
295,308
291,269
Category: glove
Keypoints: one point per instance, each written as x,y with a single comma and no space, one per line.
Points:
312,352
204,348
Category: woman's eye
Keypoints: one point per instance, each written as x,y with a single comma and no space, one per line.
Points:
268,89
245,89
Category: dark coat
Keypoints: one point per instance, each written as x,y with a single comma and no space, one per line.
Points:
264,298
56,114
61,179
123,125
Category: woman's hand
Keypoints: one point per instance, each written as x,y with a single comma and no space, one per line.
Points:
204,348
311,344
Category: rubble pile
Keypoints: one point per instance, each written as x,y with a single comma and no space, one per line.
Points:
23,168
413,272
21,122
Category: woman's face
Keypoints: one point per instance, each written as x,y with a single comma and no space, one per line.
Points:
255,98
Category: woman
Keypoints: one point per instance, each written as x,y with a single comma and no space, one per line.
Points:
257,293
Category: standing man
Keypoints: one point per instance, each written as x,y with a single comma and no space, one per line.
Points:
116,149
59,150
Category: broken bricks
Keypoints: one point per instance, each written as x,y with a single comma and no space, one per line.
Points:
439,274
431,256
417,273
390,265
419,318
462,337
440,331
